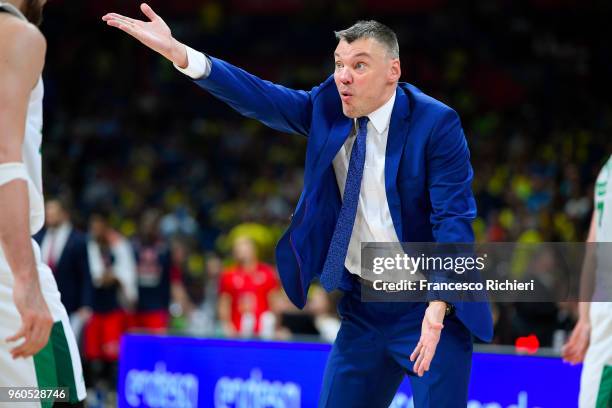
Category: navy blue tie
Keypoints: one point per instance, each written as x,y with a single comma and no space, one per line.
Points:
333,268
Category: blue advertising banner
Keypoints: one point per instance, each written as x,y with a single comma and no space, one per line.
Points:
156,371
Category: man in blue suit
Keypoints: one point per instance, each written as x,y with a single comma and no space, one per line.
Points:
384,163
64,250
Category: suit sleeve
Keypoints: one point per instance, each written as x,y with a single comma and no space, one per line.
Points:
276,106
449,181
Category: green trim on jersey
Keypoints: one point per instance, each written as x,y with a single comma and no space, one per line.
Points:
63,361
46,373
53,364
604,396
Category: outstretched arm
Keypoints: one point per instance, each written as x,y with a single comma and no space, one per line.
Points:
22,53
281,108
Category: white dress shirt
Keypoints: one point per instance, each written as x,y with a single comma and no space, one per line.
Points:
54,242
198,65
373,221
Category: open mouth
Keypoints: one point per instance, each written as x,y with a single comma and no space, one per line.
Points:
345,95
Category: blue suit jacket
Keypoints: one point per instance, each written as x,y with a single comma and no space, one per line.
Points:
428,174
72,271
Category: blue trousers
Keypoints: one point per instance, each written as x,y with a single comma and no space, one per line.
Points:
371,355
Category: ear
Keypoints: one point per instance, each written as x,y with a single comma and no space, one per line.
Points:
395,70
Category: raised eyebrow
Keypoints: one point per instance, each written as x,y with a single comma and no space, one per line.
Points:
362,54
359,54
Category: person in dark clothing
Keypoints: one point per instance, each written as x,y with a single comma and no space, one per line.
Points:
64,249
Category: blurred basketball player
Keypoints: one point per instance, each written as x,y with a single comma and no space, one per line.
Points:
37,346
591,339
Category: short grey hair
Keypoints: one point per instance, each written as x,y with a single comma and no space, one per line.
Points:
371,29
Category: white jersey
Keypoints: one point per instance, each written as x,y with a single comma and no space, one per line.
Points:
32,144
599,353
603,233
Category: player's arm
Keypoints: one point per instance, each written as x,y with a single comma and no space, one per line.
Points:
575,348
22,53
281,108
587,276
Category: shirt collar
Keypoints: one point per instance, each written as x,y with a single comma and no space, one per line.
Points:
381,117
63,228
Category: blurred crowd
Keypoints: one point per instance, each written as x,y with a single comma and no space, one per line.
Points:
155,283
180,200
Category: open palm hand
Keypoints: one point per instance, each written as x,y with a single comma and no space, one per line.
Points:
154,33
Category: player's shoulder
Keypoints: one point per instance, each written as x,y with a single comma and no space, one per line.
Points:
17,35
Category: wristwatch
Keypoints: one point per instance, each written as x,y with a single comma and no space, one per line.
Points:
450,309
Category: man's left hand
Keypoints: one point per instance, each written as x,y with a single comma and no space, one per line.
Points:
430,336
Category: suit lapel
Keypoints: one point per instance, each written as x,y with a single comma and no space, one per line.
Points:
337,136
396,140
65,248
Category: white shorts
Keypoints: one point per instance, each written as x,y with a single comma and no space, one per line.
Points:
594,388
58,364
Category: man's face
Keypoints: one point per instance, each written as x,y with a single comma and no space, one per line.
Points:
32,10
97,228
54,214
244,250
149,226
365,76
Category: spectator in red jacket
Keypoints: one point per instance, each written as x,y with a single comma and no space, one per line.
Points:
245,289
